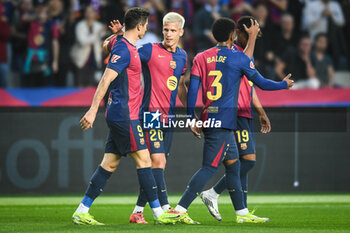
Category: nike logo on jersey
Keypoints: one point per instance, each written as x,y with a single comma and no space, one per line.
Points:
160,56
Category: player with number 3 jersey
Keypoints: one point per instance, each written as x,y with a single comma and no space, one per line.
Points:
220,69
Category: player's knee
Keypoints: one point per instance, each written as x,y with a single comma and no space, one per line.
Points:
249,157
109,165
144,161
158,161
232,167
210,169
229,162
247,164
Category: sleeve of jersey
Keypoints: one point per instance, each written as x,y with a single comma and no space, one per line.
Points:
185,68
253,75
193,89
192,95
111,43
119,59
145,52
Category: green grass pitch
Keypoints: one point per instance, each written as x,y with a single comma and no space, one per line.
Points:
287,213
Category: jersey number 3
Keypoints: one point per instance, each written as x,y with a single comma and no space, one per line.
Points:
216,84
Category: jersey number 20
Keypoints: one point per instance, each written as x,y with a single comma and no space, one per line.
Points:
216,84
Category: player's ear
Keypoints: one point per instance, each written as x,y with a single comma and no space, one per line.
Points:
181,32
139,26
232,37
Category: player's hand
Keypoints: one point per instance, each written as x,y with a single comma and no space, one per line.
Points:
254,28
88,119
289,81
115,27
196,131
265,124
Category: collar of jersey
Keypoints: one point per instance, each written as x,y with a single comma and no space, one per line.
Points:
221,46
128,41
161,44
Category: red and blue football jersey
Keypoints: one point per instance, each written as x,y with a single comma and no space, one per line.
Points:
126,90
162,71
245,97
220,70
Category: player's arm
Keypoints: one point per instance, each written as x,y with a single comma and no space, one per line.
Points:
253,32
248,68
191,101
88,119
119,61
263,119
182,91
105,45
116,29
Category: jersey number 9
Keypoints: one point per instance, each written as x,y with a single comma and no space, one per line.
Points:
216,83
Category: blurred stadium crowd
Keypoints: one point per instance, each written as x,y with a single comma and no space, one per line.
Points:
58,42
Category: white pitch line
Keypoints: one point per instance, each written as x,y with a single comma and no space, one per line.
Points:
225,199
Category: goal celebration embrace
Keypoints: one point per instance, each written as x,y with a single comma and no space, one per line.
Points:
148,79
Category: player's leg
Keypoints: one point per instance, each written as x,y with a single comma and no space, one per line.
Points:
155,142
215,148
98,181
149,186
234,186
247,163
245,139
142,159
158,165
159,160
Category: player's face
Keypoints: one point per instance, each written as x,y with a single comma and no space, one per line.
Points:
143,29
241,39
172,33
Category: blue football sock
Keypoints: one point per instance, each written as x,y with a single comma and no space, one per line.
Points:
233,184
149,186
196,185
97,183
142,199
220,186
158,174
246,166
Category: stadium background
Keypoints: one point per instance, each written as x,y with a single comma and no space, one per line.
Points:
43,151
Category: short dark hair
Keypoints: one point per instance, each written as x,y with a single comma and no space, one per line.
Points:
222,28
135,16
246,20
